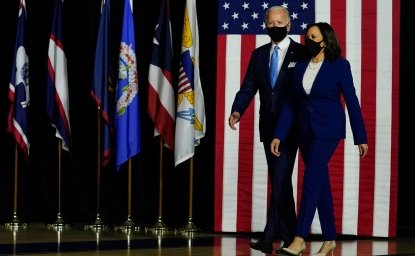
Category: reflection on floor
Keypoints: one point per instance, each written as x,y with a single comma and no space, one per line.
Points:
38,239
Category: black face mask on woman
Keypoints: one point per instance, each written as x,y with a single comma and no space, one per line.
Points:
313,47
277,33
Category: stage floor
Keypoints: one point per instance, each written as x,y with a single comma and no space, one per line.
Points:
41,239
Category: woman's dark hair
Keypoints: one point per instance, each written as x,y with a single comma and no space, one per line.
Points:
332,47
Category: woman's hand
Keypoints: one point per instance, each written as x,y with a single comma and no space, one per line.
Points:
275,143
363,148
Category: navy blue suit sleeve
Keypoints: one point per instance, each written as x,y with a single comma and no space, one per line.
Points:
352,103
248,89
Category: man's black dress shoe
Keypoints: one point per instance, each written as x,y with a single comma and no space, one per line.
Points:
262,245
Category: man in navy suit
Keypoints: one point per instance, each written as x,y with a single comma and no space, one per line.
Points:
281,217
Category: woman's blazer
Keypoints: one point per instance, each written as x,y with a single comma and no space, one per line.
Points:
323,108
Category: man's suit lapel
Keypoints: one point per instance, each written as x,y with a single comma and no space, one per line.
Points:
283,70
265,56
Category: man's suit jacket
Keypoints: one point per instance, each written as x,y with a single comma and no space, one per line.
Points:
323,107
257,80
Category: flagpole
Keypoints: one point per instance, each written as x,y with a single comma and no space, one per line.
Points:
59,223
15,222
190,226
127,121
98,223
160,226
128,225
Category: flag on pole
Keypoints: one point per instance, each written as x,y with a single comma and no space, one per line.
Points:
19,86
190,119
365,192
127,122
161,102
57,95
102,90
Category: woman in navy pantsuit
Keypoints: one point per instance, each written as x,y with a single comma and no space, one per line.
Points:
316,108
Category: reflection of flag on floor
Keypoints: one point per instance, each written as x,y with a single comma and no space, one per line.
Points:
365,192
161,103
101,87
57,96
19,86
190,119
224,246
127,122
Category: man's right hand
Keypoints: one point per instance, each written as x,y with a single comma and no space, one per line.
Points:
233,119
275,144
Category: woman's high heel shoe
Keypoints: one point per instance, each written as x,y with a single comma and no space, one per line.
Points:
294,252
326,252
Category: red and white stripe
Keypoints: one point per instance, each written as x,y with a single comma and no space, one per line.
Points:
57,68
364,191
161,104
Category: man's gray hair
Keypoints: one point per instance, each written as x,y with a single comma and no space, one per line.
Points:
278,7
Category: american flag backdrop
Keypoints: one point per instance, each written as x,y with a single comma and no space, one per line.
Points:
364,191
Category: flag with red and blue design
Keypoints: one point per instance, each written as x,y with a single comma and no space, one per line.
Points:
19,87
161,94
57,95
102,88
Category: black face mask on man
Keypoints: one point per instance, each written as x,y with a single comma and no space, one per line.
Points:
313,47
277,33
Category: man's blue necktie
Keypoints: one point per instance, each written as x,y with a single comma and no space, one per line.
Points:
273,67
